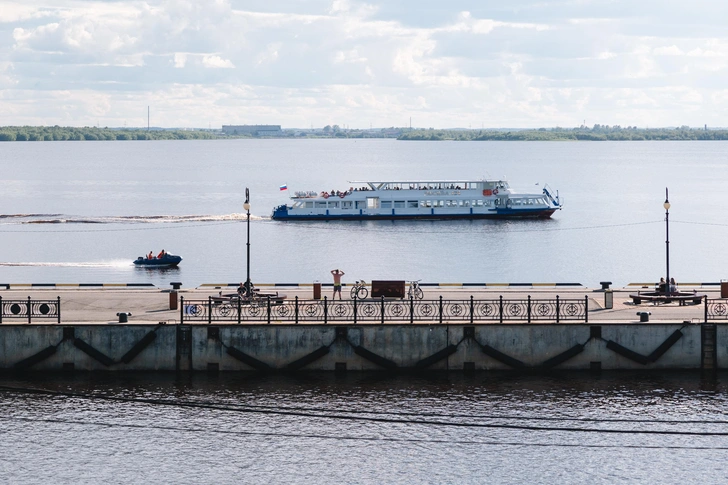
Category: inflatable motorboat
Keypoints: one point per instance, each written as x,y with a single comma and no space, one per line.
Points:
166,261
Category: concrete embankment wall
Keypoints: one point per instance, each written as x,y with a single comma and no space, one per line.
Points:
360,347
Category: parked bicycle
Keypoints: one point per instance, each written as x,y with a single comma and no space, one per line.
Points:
415,291
359,290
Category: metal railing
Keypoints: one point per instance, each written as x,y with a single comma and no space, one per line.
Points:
381,311
716,309
30,309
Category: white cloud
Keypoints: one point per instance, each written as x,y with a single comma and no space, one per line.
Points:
216,62
180,59
531,64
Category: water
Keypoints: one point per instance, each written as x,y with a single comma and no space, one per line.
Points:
81,212
537,436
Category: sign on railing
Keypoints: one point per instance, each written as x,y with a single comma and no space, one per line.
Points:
268,310
30,309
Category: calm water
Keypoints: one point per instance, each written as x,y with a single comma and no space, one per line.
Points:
510,429
81,212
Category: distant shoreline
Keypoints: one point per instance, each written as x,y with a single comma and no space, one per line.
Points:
596,133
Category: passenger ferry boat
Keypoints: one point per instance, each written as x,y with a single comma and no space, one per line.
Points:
441,199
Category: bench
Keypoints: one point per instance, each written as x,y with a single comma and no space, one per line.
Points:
682,298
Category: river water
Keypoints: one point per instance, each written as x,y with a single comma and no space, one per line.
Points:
370,428
81,212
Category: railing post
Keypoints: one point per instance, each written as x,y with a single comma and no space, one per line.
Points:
528,310
1,309
706,310
500,308
440,308
412,309
29,320
181,309
295,310
326,310
209,310
558,309
472,309
240,309
586,309
59,308
382,319
268,297
355,311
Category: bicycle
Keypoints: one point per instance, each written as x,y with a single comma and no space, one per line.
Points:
415,292
359,290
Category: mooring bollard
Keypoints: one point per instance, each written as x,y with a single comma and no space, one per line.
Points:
644,316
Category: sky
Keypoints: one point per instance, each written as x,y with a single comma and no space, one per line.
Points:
361,64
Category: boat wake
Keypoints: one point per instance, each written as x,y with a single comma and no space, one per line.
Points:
79,264
150,219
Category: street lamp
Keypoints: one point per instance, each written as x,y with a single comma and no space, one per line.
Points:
666,205
246,206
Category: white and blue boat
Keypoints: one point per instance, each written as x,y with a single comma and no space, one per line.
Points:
440,199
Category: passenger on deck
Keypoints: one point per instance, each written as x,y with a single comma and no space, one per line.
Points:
161,254
150,255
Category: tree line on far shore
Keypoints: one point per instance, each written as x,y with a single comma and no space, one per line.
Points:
596,133
60,133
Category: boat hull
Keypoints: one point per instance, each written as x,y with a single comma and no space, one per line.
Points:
505,214
167,261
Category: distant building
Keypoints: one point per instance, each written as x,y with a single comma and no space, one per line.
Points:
255,130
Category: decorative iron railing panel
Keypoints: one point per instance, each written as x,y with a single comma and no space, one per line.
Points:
382,311
30,309
716,309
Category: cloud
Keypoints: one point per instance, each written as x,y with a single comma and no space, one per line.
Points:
520,63
216,62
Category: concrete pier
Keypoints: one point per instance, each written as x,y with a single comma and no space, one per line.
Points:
89,337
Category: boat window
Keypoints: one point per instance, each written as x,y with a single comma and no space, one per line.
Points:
464,203
412,204
399,204
479,202
486,203
309,205
372,202
334,205
360,204
440,203
320,205
428,203
422,203
346,204
386,204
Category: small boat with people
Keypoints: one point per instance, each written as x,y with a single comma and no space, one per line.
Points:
434,199
162,260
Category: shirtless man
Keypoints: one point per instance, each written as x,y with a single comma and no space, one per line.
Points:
337,282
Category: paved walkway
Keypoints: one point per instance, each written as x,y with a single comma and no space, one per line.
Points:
151,306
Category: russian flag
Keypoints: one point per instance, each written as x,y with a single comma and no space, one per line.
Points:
284,187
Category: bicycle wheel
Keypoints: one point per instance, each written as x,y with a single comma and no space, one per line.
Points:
363,292
418,293
354,291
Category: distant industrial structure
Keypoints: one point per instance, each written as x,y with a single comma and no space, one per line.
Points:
255,130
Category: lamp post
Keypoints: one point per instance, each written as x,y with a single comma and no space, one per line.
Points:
666,205
246,206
